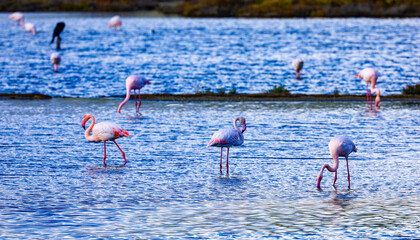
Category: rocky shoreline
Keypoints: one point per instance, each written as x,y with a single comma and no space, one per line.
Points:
235,97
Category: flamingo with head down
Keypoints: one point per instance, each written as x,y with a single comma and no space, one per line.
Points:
55,60
133,82
228,137
115,22
17,17
297,65
370,75
340,146
29,27
104,131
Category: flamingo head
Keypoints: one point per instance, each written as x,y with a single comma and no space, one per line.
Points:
86,117
243,122
318,182
358,75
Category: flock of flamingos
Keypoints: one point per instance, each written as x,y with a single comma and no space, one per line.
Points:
340,146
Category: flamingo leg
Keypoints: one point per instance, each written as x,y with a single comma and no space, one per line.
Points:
221,152
367,95
335,178
134,90
227,161
138,107
348,172
297,74
123,154
104,153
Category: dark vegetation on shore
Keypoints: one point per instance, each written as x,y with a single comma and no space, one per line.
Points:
410,93
229,8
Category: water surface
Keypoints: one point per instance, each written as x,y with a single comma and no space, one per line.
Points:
54,185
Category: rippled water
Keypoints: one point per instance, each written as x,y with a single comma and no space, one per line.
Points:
54,185
184,55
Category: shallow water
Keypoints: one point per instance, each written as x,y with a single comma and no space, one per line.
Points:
54,185
188,55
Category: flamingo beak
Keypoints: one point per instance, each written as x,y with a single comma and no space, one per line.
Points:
148,82
83,124
243,127
357,75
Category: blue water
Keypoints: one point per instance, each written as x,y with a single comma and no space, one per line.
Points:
54,185
183,55
53,182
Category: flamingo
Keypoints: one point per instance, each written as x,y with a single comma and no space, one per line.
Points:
297,65
228,137
57,31
29,27
340,146
17,17
115,22
55,60
370,75
133,82
104,131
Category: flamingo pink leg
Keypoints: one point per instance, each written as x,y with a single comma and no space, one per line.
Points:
123,154
221,153
227,161
135,98
335,178
104,152
138,107
367,95
348,172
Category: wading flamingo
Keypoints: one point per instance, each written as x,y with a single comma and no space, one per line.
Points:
57,31
133,82
29,27
104,131
297,65
115,22
55,60
340,146
228,137
17,17
370,75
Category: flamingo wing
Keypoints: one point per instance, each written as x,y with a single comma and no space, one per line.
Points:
225,137
108,131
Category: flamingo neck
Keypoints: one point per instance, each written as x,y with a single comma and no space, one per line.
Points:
329,168
87,132
127,97
236,127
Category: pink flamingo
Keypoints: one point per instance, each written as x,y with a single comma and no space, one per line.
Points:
17,17
115,22
370,75
104,131
133,82
228,137
297,65
29,27
55,60
339,146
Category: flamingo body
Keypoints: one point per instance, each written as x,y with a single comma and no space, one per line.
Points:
29,27
17,17
228,137
115,22
340,146
104,131
133,82
55,60
297,65
370,75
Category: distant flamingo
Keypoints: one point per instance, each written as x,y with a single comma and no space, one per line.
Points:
17,17
55,60
133,82
340,146
228,137
115,22
29,27
104,131
370,75
297,65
